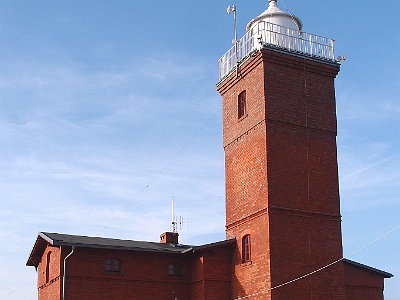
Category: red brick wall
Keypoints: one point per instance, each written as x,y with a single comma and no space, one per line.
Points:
248,192
217,273
254,276
281,176
246,178
305,232
144,275
197,277
211,274
50,289
361,284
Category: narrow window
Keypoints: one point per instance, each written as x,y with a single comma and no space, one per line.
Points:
177,269
171,269
246,248
242,104
108,265
48,267
113,265
174,269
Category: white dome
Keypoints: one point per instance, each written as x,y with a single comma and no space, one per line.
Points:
277,16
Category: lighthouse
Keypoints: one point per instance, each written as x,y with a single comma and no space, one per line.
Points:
279,138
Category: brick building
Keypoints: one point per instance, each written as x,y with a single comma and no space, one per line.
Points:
282,194
101,268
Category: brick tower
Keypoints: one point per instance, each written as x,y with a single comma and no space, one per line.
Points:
279,137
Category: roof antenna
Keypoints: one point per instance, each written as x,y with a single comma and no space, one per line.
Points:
175,222
235,41
173,217
229,10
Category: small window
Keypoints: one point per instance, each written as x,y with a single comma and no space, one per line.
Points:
113,265
171,269
48,266
177,269
246,248
242,104
174,269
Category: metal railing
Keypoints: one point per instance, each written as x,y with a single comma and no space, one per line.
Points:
266,34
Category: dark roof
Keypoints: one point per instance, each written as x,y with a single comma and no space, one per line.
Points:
227,242
367,268
59,239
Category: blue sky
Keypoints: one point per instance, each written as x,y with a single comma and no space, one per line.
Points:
108,109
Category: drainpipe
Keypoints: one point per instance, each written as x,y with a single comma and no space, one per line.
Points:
65,272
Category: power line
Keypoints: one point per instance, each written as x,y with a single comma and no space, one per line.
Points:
19,289
157,175
141,191
320,269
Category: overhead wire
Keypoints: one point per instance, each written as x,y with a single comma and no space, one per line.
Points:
156,176
15,291
320,269
140,192
169,163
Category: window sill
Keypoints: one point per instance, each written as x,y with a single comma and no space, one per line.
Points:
242,118
176,276
247,263
110,273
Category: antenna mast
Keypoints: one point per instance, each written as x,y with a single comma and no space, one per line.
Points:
229,10
175,222
173,217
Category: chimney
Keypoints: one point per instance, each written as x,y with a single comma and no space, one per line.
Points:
169,238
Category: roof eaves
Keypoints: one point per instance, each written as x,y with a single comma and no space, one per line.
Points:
56,239
37,250
226,242
365,267
44,236
106,243
96,246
